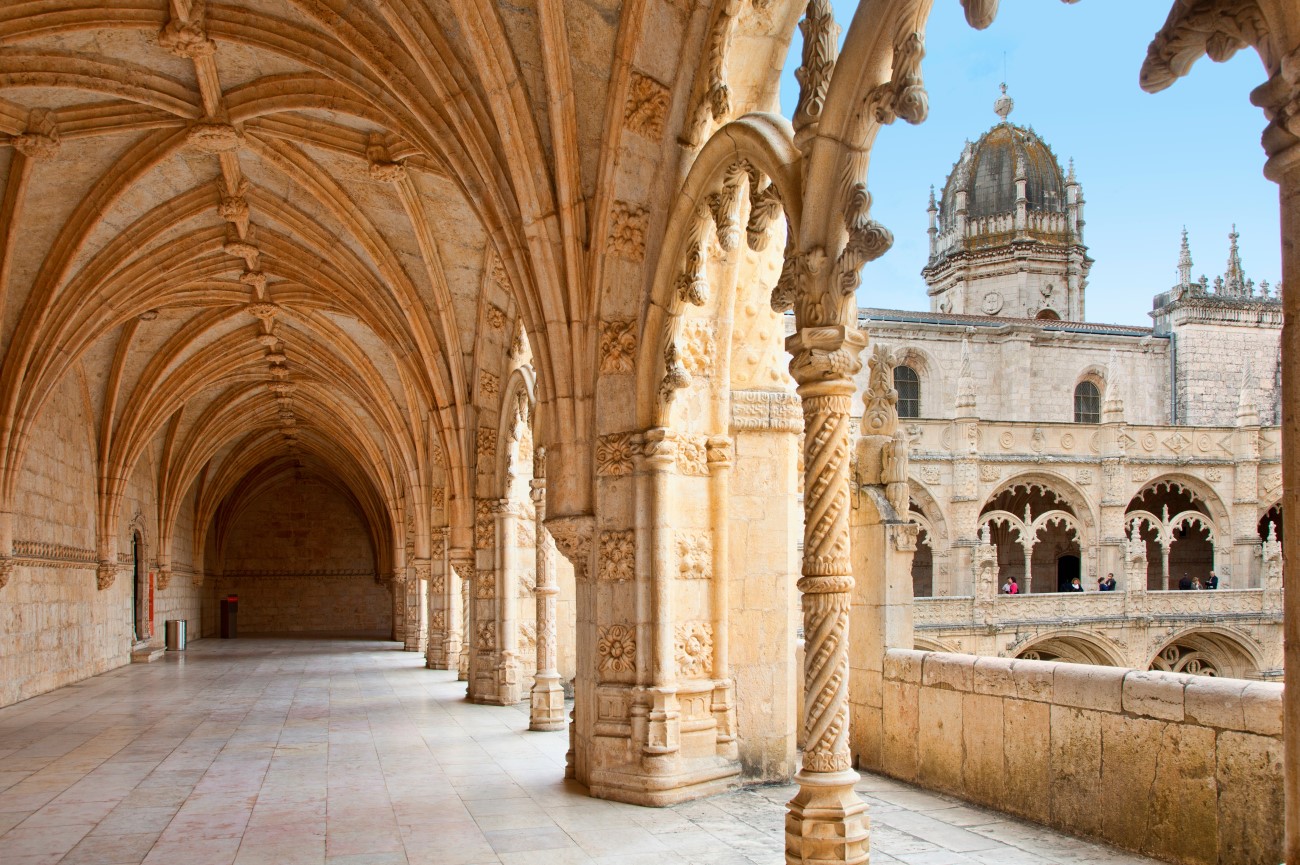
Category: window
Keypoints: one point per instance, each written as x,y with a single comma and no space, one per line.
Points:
1087,403
908,385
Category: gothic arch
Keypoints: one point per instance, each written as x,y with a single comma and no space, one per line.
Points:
1209,650
1073,646
1198,489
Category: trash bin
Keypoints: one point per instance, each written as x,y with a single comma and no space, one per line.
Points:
175,629
229,617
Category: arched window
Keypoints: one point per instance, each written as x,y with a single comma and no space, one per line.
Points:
1087,403
908,385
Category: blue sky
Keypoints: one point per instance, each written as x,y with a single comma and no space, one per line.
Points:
1149,163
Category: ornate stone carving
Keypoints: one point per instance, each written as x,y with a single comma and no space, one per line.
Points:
484,526
820,51
692,455
675,375
496,317
41,138
438,620
164,578
1218,28
7,565
904,94
616,558
489,384
694,649
627,226
614,453
487,636
880,400
692,283
618,346
989,472
485,585
766,411
698,347
694,555
186,39
616,650
713,100
980,13
438,498
214,137
647,106
1083,477
573,537
524,534
105,574
486,446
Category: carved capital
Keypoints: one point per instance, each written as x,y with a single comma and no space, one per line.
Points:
573,538
824,354
105,574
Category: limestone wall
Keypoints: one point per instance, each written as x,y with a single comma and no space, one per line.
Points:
301,561
1183,768
1209,389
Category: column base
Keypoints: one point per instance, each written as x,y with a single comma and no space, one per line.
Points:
547,704
827,821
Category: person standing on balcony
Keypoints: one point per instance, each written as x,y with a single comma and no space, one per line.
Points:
1106,584
1075,585
1011,587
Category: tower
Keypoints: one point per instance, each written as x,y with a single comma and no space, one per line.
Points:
1006,236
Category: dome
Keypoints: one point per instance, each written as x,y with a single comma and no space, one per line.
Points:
987,172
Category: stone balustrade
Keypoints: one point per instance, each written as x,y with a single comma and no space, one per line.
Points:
1080,607
1184,768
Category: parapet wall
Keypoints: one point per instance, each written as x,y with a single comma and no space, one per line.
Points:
1184,768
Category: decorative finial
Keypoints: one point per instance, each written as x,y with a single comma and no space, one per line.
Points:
1184,261
933,206
1002,107
1234,281
1070,178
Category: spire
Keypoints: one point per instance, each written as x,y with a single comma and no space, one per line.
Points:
1247,411
1234,281
1185,261
965,383
1112,410
1069,177
1002,107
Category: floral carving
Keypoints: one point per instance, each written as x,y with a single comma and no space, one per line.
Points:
647,106
487,637
496,318
989,472
692,455
484,526
618,346
880,400
438,620
614,453
627,227
616,650
211,137
695,555
617,556
485,585
694,648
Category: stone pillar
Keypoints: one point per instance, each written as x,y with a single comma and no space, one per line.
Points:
1283,167
506,667
443,649
547,711
417,626
724,708
661,751
826,821
573,538
462,565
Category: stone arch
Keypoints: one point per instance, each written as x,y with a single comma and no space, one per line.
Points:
141,561
1059,526
1184,524
932,644
1074,646
930,564
1209,651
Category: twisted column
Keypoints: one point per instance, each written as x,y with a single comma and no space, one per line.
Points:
547,710
826,821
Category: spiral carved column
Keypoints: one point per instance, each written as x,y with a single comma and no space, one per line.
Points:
827,820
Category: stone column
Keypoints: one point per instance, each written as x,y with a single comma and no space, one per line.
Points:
443,649
462,565
507,659
1282,144
547,712
826,821
661,751
724,709
573,538
417,607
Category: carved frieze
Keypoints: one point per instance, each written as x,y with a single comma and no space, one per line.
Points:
484,526
766,411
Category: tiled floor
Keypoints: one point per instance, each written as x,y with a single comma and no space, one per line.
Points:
279,752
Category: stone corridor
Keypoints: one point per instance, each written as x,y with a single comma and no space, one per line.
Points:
280,752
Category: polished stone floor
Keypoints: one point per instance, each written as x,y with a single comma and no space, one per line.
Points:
279,752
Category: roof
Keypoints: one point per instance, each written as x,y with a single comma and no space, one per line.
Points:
903,316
